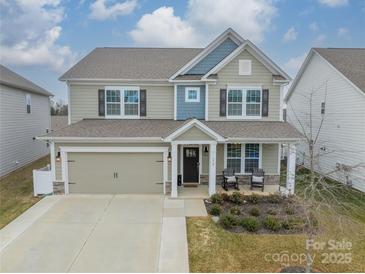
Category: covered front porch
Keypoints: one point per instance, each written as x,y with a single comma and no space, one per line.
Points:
199,155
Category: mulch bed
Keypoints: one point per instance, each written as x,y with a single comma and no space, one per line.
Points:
286,211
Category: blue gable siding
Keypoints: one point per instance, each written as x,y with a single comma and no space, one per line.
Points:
213,58
188,110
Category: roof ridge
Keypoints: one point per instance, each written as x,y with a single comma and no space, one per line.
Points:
147,48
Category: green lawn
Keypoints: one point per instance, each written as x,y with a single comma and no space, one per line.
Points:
213,249
16,191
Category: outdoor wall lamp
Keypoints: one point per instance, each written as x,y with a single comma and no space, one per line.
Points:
169,156
58,157
206,149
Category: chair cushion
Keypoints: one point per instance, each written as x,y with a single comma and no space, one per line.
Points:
257,179
231,179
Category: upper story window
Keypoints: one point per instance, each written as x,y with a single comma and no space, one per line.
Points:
244,102
192,94
244,67
28,102
243,158
323,108
122,102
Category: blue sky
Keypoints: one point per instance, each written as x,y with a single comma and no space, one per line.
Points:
41,39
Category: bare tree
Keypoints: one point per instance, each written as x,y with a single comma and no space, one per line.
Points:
58,107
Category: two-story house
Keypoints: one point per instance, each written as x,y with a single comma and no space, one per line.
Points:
149,120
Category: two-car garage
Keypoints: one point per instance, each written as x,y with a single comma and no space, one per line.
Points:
115,170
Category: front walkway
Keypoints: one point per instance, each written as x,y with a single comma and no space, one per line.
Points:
201,191
102,233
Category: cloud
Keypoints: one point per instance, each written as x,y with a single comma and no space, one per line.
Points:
30,33
162,27
314,26
101,11
343,33
334,3
290,35
294,63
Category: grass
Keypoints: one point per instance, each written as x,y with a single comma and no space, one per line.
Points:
213,249
16,191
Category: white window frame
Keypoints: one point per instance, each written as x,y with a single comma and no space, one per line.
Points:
243,156
241,64
187,99
122,115
243,115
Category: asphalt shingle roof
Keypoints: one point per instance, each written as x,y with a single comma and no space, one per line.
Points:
131,63
12,79
101,128
349,61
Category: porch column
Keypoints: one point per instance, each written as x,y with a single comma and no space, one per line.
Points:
212,167
290,172
53,161
174,170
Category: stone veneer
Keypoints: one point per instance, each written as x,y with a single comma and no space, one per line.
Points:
243,179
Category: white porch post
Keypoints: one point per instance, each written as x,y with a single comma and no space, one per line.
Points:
212,167
53,161
174,170
290,173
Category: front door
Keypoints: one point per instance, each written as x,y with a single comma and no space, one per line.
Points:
191,165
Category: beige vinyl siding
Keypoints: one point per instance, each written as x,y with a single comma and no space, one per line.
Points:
84,101
270,158
219,161
193,134
261,76
17,128
58,145
343,129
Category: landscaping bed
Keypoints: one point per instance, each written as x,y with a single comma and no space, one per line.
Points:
257,214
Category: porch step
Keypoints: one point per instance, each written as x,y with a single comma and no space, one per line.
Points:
190,184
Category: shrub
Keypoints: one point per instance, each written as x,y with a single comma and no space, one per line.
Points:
228,220
290,211
216,198
215,210
250,224
255,211
271,212
225,197
253,199
274,198
235,211
272,223
293,224
236,198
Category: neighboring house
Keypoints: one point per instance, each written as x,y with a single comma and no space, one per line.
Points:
336,79
145,120
24,114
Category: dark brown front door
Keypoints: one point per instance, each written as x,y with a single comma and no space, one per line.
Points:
191,164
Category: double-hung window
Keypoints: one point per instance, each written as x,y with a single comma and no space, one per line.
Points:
122,102
244,102
243,158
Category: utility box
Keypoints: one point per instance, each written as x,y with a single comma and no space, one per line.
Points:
42,181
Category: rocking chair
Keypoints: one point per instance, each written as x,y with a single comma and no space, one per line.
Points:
258,178
229,179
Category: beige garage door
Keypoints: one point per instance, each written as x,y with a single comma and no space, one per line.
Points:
115,172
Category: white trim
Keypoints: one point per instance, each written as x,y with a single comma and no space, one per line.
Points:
174,170
206,101
303,68
263,140
68,103
260,155
122,103
184,82
225,156
241,64
193,142
53,160
200,160
197,90
281,103
102,139
279,158
200,125
256,52
175,101
212,168
243,89
165,170
229,33
66,150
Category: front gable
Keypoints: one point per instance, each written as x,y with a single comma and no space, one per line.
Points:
193,134
214,57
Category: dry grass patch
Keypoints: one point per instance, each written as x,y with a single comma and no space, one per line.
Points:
16,191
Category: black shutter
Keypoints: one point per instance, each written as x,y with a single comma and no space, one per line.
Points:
265,102
142,103
101,97
223,102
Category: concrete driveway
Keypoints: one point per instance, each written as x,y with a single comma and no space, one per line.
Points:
102,233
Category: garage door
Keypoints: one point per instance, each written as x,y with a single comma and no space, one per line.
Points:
115,173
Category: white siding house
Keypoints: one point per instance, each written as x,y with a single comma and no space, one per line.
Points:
24,114
335,79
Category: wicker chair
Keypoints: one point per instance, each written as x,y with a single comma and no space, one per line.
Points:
229,179
258,178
